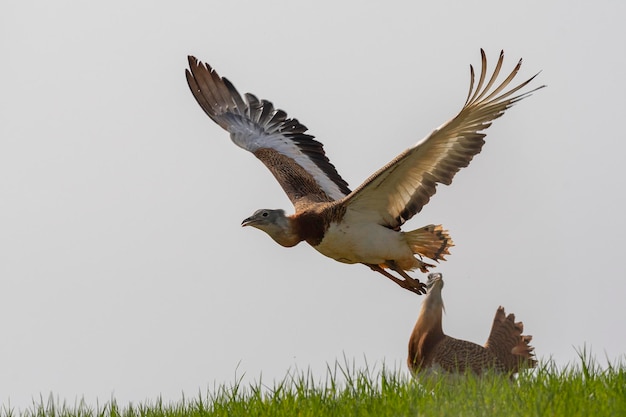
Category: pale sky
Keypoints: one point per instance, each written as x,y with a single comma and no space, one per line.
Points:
124,270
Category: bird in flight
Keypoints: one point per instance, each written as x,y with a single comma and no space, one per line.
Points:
506,350
363,225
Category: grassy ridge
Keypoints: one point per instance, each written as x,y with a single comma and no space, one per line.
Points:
580,390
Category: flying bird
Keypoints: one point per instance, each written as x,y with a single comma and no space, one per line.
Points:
364,225
506,350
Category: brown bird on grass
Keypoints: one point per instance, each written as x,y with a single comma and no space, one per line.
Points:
506,350
360,226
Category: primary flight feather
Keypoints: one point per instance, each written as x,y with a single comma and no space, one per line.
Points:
360,226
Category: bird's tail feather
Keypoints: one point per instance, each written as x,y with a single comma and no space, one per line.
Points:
430,241
508,344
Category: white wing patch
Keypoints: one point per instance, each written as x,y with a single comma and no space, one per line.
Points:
251,137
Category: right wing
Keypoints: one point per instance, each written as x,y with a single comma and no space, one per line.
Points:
400,189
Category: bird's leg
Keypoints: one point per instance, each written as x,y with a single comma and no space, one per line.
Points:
408,283
377,268
414,282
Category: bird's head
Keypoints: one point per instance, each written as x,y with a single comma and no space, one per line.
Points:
435,281
433,294
275,223
263,218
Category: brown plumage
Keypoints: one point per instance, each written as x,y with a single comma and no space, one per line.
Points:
506,350
364,225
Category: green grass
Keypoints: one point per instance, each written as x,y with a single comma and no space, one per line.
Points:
582,389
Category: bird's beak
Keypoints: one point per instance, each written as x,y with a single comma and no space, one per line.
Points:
247,222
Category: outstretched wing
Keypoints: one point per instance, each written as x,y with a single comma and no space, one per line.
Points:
401,188
298,161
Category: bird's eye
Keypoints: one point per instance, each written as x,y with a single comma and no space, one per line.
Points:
265,214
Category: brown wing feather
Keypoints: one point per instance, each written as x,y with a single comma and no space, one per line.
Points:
401,188
296,159
507,342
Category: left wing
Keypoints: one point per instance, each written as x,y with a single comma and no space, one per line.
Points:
297,161
400,189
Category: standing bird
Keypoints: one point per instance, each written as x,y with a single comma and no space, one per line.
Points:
360,226
506,350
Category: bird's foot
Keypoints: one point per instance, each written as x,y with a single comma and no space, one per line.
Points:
414,285
408,283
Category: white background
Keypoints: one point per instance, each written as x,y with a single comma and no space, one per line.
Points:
123,268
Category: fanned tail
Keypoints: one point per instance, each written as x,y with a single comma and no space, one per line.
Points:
431,241
508,344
